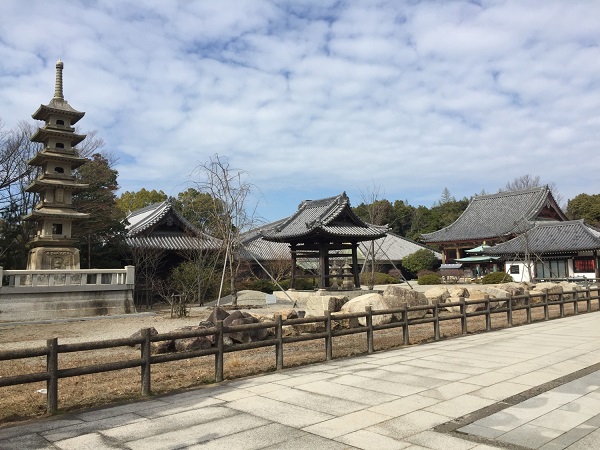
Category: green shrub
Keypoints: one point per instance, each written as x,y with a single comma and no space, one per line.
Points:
262,285
302,284
379,278
420,260
430,278
496,278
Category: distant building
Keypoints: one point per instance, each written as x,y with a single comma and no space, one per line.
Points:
566,249
493,219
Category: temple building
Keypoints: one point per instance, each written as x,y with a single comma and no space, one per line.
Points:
492,219
323,230
53,247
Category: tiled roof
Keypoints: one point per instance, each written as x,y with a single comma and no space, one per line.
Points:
326,217
392,247
139,230
496,215
551,237
388,248
171,242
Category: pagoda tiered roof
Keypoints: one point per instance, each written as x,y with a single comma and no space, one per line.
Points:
326,219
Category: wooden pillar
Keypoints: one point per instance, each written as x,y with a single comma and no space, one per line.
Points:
294,259
323,265
355,265
596,269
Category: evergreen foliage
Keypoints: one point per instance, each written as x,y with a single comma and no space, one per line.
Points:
496,278
423,259
586,207
101,234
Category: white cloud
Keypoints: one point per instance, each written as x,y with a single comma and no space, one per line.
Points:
313,98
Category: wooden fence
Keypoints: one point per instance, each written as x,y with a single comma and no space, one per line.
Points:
486,307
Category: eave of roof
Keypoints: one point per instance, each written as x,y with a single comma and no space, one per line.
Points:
318,219
491,216
551,237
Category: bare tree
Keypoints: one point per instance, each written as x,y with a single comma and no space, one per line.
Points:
528,181
376,212
229,190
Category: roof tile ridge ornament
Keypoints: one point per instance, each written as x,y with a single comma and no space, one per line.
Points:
58,86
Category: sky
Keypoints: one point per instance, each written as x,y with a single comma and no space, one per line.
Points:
313,98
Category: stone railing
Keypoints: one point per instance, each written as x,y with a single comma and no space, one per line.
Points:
52,280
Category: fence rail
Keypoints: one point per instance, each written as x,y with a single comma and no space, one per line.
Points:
486,307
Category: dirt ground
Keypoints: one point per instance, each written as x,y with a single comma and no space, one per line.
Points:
22,402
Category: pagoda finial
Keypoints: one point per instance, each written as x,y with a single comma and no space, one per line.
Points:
58,87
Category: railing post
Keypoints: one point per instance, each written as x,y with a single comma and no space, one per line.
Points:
488,313
528,306
370,347
405,335
436,322
463,315
52,382
576,303
279,345
546,309
328,339
129,274
509,311
219,357
561,305
588,299
145,349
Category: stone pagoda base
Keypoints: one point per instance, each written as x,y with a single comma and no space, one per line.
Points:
53,258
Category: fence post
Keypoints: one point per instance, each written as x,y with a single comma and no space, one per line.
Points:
488,313
405,335
588,299
328,339
52,382
219,357
509,311
436,322
575,303
279,345
369,318
561,305
463,314
546,309
528,306
145,347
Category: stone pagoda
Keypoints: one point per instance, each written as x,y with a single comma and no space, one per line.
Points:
53,247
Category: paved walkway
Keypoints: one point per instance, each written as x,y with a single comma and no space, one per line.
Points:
533,386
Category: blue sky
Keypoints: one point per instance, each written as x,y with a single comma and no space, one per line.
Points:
312,98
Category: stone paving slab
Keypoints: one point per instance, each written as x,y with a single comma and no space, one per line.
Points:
535,386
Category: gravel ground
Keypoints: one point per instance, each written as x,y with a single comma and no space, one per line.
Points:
25,335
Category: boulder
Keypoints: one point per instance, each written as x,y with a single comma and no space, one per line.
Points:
553,289
343,323
286,314
317,304
570,290
217,314
194,343
437,294
477,294
375,301
138,334
162,347
397,297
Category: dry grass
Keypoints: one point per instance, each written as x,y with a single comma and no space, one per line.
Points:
22,402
